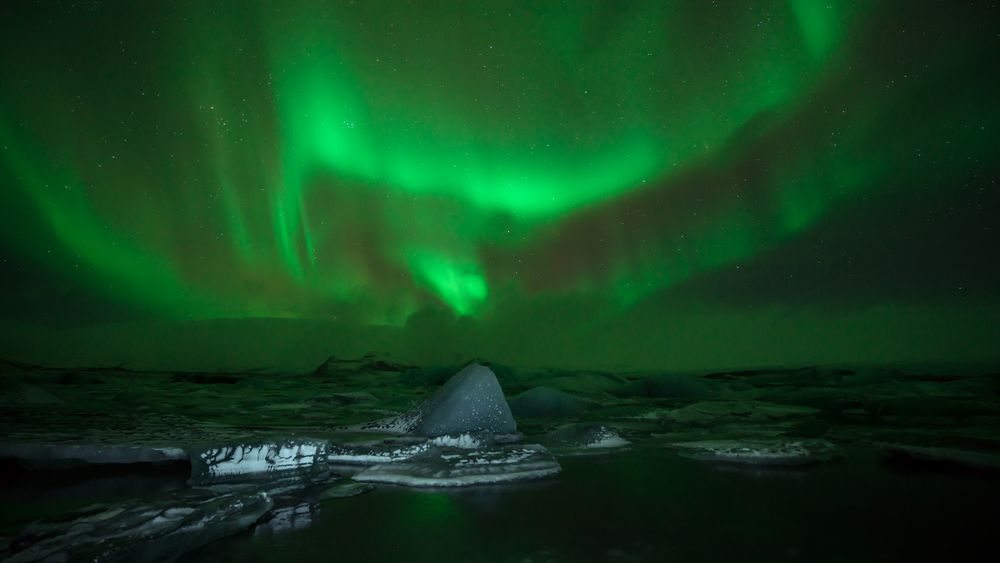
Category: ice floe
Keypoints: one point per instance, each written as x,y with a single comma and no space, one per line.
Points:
585,438
372,453
449,467
760,451
159,529
254,461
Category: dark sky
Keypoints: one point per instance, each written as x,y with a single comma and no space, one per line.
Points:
638,184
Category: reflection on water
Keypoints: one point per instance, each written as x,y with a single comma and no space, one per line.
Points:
288,519
647,506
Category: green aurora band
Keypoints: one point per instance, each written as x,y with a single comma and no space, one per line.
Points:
366,160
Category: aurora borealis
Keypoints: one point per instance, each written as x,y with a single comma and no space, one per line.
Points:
598,171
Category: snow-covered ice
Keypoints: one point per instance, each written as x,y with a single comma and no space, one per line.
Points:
286,519
465,440
369,454
252,461
451,467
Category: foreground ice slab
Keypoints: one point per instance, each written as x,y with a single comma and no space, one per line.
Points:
470,401
448,467
257,461
760,451
161,529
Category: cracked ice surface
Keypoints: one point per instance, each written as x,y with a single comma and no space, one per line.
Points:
585,438
232,463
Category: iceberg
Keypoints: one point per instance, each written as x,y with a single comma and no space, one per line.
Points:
470,401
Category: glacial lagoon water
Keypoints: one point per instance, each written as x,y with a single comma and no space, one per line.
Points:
658,488
650,505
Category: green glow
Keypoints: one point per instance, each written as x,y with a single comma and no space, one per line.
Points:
306,159
820,25
461,287
128,271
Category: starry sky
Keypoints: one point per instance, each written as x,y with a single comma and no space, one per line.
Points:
650,183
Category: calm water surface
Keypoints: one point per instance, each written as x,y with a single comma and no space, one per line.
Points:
650,506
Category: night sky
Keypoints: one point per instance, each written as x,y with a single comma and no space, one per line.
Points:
670,184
